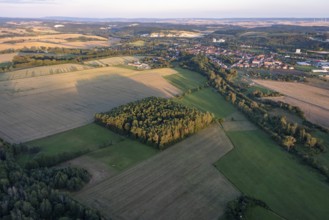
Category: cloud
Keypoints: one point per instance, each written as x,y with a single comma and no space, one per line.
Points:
26,1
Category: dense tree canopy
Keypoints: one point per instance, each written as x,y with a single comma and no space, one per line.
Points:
155,121
32,194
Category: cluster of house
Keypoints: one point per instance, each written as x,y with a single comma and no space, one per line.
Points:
262,61
139,65
322,66
243,59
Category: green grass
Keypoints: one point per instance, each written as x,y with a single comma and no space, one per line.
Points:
186,79
260,168
259,213
323,157
124,154
139,43
83,138
304,68
209,100
251,89
119,153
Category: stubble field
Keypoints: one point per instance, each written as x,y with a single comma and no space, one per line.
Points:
54,40
42,71
312,100
113,61
36,107
8,57
179,183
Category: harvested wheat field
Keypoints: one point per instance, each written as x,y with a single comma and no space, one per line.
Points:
178,183
113,61
36,107
312,100
8,57
42,71
54,40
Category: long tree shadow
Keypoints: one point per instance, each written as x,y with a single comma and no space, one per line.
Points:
57,104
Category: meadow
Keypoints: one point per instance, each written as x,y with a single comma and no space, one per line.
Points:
259,168
113,150
186,79
208,100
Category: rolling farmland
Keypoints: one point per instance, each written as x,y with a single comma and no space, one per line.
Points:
41,106
42,71
178,183
312,100
113,61
8,57
54,40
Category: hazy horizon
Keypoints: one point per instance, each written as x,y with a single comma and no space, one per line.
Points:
163,9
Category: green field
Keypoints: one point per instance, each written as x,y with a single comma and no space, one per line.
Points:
323,157
209,100
251,89
83,138
119,152
259,213
260,168
139,43
186,79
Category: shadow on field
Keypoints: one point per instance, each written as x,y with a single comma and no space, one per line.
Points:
38,107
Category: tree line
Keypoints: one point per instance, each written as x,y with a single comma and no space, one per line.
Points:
158,122
294,137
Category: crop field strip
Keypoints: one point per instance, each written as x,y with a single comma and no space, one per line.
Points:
112,61
313,101
53,40
41,106
178,183
42,71
8,57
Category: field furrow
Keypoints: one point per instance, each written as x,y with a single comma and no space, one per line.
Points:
179,183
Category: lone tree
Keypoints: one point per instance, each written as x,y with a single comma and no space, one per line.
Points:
289,142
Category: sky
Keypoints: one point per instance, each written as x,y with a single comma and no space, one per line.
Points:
164,8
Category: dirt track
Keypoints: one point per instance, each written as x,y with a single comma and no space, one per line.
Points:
179,183
312,100
36,107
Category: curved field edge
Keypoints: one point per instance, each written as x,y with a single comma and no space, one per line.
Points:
260,168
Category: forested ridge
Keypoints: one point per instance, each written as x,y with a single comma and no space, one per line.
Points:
155,121
33,194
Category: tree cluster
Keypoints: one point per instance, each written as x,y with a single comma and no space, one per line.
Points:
237,209
32,195
155,121
68,178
